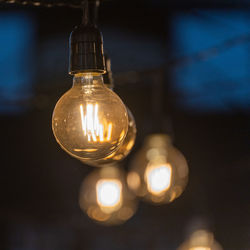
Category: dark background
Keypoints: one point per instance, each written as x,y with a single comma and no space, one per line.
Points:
201,51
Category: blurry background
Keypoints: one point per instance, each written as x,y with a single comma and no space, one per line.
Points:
203,47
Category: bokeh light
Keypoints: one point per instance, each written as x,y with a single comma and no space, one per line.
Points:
159,172
105,198
201,240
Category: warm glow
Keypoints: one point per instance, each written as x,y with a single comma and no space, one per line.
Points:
108,193
92,127
158,178
200,240
200,248
133,180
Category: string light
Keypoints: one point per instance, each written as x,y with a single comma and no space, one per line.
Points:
159,172
88,127
105,198
85,123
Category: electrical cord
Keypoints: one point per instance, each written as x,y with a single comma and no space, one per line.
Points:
85,16
47,3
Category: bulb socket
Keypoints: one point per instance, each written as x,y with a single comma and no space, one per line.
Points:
86,50
107,77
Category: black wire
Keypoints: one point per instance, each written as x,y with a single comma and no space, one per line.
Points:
90,12
96,8
48,3
85,16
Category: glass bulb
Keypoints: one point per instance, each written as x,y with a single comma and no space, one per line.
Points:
123,150
201,240
105,198
90,121
159,172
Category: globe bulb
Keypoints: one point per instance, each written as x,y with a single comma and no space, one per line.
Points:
123,150
159,172
90,121
201,240
105,198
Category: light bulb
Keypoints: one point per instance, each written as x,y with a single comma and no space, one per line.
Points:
89,121
159,172
123,150
105,198
201,240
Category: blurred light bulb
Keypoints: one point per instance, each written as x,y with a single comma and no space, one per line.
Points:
105,198
90,121
201,240
159,172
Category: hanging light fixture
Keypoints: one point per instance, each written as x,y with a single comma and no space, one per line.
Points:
89,121
201,240
159,172
129,140
105,198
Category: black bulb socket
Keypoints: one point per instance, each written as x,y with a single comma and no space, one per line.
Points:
86,50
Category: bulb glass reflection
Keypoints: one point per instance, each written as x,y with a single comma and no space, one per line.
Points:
90,121
159,172
201,240
123,150
105,198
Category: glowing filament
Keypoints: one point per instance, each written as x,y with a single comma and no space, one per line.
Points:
91,126
108,193
158,178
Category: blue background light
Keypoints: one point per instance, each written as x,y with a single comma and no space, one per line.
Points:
17,38
221,82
